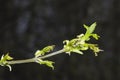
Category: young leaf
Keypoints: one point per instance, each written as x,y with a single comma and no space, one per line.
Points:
89,31
46,62
92,28
95,36
95,48
4,59
77,51
79,44
39,53
43,51
7,57
48,48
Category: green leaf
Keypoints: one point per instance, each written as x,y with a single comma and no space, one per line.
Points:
39,53
92,28
43,51
48,48
95,36
77,51
95,48
79,44
84,48
89,31
46,62
6,57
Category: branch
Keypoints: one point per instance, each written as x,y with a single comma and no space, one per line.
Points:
76,45
34,59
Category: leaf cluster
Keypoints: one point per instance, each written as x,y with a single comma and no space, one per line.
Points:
4,60
80,43
42,52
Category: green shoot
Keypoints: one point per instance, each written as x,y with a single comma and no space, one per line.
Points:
77,45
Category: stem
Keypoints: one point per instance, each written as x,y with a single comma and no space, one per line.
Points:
52,54
34,59
21,61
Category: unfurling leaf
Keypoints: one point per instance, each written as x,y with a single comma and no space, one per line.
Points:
79,44
39,53
95,36
77,51
95,48
43,51
7,57
46,62
48,48
4,59
89,31
92,28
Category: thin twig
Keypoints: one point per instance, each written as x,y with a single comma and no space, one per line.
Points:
34,59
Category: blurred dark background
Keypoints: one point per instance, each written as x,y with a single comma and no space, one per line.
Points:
29,25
